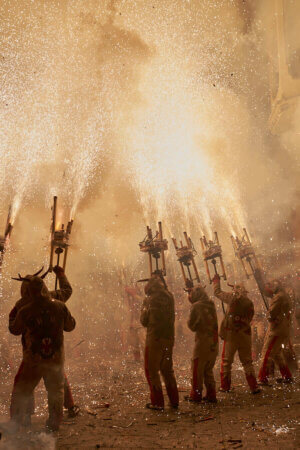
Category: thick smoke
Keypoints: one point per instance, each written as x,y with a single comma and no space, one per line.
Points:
131,112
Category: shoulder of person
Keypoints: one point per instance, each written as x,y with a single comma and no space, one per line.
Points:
58,304
21,303
197,306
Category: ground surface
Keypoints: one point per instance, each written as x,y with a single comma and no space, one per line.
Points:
239,420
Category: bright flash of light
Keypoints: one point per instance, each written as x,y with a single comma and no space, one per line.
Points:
172,166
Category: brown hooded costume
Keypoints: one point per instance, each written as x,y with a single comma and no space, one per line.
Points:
236,333
41,322
158,316
203,321
63,294
278,333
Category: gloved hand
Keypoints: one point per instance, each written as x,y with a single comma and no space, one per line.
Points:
59,271
189,285
216,279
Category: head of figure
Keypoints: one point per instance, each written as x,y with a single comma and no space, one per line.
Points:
37,290
272,287
155,284
33,286
198,294
240,290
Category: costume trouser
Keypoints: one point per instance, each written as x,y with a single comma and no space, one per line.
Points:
27,378
237,342
68,397
134,343
159,359
272,351
202,371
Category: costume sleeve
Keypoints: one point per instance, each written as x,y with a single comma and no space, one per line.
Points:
69,322
226,297
13,313
194,318
17,325
144,317
65,290
275,308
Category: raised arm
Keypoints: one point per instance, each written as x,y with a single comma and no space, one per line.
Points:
225,297
144,317
65,290
69,321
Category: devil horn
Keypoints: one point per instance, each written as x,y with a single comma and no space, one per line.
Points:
45,274
38,272
21,278
230,285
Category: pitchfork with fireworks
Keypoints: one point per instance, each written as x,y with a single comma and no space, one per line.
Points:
59,239
185,255
212,251
244,251
155,246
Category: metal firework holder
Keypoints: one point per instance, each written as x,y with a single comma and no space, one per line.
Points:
212,251
59,239
245,253
185,255
5,238
155,247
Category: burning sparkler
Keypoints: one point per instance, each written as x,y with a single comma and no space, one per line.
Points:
155,246
4,240
212,251
185,255
244,251
59,239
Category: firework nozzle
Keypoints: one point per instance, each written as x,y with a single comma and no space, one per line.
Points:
4,240
212,251
185,255
59,238
244,251
155,246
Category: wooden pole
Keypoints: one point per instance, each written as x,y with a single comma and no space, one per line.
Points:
52,232
223,268
205,261
162,252
150,264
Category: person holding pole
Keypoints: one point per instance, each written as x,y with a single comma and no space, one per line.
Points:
236,333
158,316
41,322
279,317
203,322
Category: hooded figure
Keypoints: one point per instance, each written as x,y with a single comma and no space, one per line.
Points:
278,333
203,322
158,316
63,294
236,333
41,322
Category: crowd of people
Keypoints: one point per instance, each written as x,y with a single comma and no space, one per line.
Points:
235,330
41,317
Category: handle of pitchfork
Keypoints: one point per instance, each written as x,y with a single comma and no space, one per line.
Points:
214,262
58,252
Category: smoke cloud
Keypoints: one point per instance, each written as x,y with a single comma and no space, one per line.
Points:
133,112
